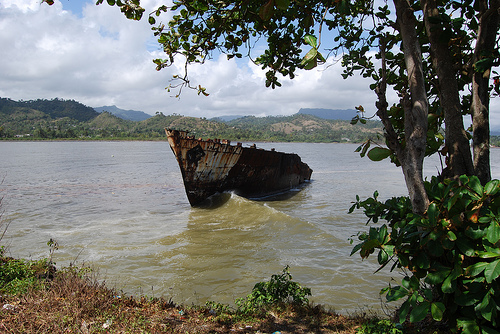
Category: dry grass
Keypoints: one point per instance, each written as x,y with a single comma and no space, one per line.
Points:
74,300
75,303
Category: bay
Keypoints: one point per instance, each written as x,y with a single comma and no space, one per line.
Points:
121,208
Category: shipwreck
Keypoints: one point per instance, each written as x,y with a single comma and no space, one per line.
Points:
215,166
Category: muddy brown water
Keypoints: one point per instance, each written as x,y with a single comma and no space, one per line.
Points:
121,207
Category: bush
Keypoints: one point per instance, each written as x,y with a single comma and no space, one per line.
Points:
18,276
377,326
279,290
451,256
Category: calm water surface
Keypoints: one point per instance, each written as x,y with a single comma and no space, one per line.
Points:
121,207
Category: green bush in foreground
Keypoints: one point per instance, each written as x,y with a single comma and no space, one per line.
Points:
18,276
280,289
377,326
451,256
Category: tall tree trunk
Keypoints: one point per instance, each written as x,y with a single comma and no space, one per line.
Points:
485,46
416,108
459,160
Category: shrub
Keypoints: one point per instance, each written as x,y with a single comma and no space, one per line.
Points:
18,276
451,256
279,290
377,326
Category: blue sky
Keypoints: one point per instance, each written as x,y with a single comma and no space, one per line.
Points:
75,6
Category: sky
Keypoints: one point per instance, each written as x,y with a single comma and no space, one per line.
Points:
94,55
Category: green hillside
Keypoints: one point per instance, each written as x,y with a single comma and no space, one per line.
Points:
68,119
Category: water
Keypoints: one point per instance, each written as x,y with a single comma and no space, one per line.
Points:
121,207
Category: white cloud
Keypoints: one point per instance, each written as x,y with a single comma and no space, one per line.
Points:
101,58
98,57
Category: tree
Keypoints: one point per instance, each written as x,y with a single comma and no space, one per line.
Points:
439,56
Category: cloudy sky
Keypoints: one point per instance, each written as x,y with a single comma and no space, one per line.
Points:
94,55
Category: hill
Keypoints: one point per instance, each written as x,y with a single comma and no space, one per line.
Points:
55,108
130,115
68,119
304,128
339,114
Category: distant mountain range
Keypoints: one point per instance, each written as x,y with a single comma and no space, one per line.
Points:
342,114
338,114
130,115
69,119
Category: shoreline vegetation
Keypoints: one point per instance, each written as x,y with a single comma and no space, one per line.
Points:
70,120
35,297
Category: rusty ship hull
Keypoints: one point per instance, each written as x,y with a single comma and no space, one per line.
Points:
209,167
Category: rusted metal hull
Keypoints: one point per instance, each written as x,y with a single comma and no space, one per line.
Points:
212,166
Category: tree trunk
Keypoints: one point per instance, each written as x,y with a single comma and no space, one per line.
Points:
415,108
485,46
459,160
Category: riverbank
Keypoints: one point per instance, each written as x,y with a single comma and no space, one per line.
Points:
36,298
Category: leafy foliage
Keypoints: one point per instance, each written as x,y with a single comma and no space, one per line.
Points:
18,276
451,256
377,326
279,290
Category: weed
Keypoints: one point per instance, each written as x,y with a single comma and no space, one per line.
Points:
279,290
18,276
377,326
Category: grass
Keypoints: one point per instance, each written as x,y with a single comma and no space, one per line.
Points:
74,300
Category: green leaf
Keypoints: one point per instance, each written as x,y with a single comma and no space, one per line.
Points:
475,185
310,61
311,40
468,326
356,248
267,11
487,308
396,293
419,312
451,236
476,268
438,276
437,311
365,149
488,255
488,330
435,248
493,232
449,284
111,2
433,213
379,153
492,271
492,187
465,246
483,65
403,311
282,4
382,256
475,232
